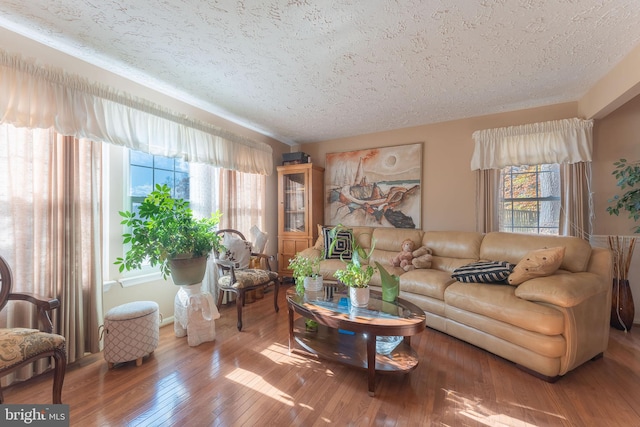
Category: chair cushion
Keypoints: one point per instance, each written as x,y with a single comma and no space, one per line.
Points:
20,344
248,278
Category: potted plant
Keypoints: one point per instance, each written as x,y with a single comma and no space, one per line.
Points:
355,275
165,233
306,273
622,307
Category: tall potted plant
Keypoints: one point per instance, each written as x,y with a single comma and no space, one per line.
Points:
622,307
165,233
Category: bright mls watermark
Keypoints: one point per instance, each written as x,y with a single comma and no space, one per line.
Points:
34,415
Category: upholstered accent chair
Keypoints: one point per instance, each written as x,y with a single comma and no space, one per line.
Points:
234,274
21,346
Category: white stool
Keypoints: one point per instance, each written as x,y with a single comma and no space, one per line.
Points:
132,331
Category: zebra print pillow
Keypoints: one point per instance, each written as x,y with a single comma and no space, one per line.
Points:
483,272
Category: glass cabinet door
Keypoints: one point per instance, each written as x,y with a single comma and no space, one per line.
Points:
294,200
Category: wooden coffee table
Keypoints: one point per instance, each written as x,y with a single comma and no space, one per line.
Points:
348,334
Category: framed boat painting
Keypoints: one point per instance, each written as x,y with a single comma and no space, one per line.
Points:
379,187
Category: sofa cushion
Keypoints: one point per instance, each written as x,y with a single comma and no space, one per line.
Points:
538,263
483,272
512,247
390,239
499,302
453,249
428,282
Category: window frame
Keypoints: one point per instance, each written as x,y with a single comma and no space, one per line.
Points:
511,227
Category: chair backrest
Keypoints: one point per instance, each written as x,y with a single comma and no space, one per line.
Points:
224,231
6,281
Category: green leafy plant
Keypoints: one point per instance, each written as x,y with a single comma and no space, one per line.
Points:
165,228
302,267
628,176
355,274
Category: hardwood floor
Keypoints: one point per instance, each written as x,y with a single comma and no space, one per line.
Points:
249,378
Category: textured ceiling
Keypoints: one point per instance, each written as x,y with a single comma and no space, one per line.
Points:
311,70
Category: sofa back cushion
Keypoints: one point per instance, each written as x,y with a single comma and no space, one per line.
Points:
452,249
512,247
389,240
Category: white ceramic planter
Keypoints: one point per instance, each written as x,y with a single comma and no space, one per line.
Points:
359,296
313,283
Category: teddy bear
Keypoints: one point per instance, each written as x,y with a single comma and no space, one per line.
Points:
422,257
404,258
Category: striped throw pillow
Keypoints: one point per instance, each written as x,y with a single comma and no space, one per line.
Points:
483,272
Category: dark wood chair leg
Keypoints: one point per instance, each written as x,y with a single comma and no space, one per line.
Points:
239,304
220,295
275,294
60,360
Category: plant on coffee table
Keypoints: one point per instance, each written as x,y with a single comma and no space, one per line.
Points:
302,268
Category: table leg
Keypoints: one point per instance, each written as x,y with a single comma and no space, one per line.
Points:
290,329
371,363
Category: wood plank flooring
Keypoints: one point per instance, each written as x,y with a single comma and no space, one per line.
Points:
249,379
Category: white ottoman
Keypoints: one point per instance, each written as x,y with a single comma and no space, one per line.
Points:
132,331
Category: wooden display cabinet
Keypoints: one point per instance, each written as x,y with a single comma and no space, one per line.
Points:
300,210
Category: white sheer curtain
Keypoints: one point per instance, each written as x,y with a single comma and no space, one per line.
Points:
205,199
239,196
568,142
38,97
50,195
242,199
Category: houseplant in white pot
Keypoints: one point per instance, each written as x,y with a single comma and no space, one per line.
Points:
355,275
306,273
165,233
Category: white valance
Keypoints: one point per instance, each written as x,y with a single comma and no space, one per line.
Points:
559,141
41,97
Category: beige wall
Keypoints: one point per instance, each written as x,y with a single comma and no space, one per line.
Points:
448,184
616,136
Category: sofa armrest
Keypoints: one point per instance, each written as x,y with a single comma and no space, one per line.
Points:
563,289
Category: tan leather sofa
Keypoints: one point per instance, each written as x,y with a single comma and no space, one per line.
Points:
547,325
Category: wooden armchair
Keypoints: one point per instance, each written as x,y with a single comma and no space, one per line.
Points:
232,278
21,346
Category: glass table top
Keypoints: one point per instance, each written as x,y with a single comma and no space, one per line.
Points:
336,299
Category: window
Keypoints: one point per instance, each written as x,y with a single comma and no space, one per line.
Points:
147,170
128,176
530,199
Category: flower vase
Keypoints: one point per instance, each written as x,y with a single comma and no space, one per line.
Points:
390,284
622,308
359,296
